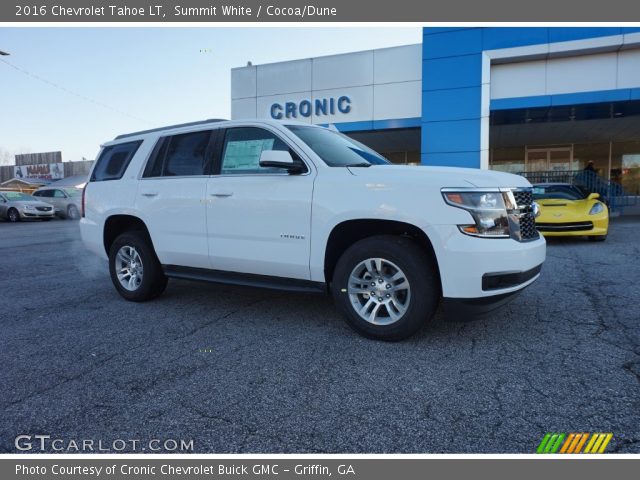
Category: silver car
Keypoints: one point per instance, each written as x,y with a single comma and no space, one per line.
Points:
16,206
66,201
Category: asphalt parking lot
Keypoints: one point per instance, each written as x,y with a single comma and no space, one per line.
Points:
246,370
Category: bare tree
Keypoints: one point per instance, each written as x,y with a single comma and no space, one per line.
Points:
6,157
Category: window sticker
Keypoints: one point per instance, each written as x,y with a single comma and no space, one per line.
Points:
245,154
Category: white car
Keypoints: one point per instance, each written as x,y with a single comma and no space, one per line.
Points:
65,200
17,206
296,207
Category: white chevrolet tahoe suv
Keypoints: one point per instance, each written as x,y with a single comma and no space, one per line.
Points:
303,208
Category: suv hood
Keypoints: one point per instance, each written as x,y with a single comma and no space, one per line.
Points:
451,177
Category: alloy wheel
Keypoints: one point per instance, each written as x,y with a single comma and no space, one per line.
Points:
129,268
379,291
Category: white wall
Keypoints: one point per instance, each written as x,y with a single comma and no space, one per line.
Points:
381,84
583,73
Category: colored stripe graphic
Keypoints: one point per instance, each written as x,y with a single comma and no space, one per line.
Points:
551,443
598,442
571,439
592,440
574,442
543,443
581,443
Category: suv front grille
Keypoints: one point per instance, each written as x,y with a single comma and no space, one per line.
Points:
524,198
528,227
43,209
522,219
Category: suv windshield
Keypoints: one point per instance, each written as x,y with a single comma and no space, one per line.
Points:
336,149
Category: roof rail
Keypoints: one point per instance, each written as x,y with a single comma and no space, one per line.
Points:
159,129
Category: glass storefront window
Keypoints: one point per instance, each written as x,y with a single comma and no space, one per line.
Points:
625,166
402,158
509,159
625,161
598,153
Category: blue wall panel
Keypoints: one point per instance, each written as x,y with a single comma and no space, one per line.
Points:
580,33
453,43
451,104
601,96
508,37
452,72
452,136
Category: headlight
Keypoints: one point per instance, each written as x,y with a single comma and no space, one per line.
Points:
597,208
28,207
487,209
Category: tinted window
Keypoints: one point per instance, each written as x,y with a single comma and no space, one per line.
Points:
156,161
242,149
179,155
44,193
336,149
113,161
186,154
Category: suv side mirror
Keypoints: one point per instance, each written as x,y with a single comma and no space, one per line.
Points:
278,159
593,196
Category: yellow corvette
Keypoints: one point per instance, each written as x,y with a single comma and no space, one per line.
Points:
565,210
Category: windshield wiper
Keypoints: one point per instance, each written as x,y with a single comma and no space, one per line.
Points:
361,164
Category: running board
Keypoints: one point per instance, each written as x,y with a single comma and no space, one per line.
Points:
244,279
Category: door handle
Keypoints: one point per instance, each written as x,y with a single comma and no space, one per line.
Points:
150,194
222,194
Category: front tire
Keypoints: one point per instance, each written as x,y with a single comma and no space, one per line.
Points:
13,215
386,287
134,267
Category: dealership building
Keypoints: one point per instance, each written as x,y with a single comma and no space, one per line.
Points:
534,100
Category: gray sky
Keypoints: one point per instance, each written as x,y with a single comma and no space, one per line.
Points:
72,88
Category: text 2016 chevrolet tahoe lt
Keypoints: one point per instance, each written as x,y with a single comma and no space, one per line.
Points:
298,207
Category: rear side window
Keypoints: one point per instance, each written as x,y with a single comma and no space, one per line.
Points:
113,161
179,155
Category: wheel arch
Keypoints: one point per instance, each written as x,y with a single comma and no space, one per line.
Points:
117,224
346,233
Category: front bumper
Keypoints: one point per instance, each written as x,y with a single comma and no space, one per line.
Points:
36,213
504,265
589,227
572,225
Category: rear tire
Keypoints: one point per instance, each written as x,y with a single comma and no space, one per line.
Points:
13,215
134,267
73,213
386,287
